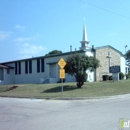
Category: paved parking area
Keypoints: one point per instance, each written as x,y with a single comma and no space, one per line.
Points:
31,114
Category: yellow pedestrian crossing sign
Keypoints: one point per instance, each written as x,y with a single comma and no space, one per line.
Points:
62,63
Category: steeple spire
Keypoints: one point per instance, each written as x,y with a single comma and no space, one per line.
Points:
85,39
84,33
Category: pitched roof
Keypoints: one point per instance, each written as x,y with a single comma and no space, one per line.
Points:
62,54
6,66
48,56
108,46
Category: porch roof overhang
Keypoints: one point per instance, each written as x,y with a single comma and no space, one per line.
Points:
50,63
6,66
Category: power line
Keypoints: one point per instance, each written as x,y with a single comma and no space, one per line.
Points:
104,9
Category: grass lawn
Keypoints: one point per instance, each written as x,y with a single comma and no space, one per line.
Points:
95,89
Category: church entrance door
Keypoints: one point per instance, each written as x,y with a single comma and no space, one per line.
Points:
52,70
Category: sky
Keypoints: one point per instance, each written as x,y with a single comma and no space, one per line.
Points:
31,28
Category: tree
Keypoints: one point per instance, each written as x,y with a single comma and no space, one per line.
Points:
127,55
54,52
77,66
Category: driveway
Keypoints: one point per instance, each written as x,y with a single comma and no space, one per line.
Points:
32,114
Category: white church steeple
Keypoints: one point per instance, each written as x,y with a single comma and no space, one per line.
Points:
84,42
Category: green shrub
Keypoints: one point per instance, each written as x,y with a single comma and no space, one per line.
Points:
128,76
121,76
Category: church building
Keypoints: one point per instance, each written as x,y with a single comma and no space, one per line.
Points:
45,69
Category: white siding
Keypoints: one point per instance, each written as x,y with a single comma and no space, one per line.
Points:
122,65
33,77
89,53
90,76
70,78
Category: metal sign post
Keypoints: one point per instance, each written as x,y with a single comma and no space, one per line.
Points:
62,76
62,86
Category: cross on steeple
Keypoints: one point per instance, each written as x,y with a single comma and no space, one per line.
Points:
109,59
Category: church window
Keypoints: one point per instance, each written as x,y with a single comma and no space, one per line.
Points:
16,68
38,65
19,65
8,71
42,65
26,67
30,66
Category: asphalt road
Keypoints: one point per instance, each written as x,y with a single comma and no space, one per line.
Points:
30,114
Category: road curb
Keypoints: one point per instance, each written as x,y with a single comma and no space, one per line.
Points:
90,98
74,98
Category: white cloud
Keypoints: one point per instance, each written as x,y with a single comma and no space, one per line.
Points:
21,39
4,35
19,27
29,50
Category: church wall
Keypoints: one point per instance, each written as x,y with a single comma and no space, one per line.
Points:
34,77
90,74
8,78
101,55
89,53
123,66
68,78
48,65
